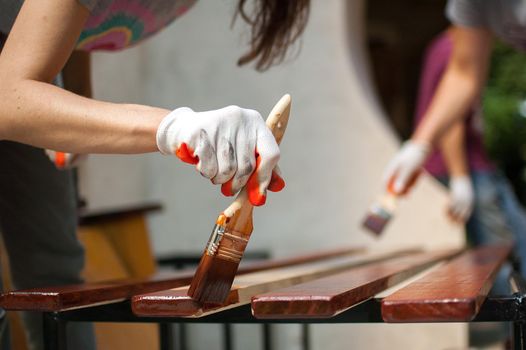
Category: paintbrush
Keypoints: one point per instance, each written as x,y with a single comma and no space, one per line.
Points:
225,248
381,212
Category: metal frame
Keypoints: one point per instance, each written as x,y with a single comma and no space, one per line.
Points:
510,308
502,308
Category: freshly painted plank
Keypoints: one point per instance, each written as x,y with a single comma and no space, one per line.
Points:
453,292
176,302
328,296
59,298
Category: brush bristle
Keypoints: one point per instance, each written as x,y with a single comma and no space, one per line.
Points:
376,219
212,280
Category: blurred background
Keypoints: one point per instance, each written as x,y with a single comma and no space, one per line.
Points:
353,83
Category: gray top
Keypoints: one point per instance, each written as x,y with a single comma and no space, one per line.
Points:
505,18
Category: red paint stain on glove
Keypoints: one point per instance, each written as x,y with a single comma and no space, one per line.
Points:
60,160
186,154
226,188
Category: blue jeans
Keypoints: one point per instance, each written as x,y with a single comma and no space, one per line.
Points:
497,216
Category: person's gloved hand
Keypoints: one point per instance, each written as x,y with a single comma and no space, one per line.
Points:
461,198
231,146
63,160
404,168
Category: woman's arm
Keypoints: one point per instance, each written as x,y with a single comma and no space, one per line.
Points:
461,193
35,112
460,85
453,150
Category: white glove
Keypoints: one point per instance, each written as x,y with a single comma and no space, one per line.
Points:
403,169
224,144
63,160
461,198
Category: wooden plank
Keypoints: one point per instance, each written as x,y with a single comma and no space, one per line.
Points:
61,298
328,296
453,292
176,302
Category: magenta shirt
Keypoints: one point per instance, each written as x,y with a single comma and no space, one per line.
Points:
435,63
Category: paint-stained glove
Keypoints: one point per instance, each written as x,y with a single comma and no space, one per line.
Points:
404,168
461,198
231,146
63,160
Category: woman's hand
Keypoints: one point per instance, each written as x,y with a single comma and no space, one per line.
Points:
231,146
461,199
403,170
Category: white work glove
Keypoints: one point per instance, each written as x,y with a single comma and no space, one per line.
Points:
461,198
403,170
231,146
63,160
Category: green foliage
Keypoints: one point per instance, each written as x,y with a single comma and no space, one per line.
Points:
505,122
505,127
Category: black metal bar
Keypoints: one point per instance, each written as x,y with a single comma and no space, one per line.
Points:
267,337
181,337
166,338
54,332
500,309
305,336
519,336
366,312
227,332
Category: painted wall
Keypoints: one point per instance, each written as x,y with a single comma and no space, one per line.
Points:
332,156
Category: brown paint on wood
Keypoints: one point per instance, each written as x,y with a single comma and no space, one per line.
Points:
175,302
453,292
65,297
328,296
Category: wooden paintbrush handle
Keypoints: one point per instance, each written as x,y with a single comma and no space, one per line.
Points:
277,121
234,225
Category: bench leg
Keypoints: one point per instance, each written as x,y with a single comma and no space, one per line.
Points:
166,338
519,336
54,333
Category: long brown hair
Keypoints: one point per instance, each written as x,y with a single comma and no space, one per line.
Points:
276,25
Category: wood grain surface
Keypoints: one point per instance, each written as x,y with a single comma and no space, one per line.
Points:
66,297
326,297
175,302
453,292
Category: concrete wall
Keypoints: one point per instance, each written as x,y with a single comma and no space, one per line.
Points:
332,156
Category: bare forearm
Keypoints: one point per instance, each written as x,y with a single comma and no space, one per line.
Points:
28,108
455,95
460,85
452,146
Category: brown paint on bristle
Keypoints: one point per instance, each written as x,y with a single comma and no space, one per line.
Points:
380,213
213,285
375,223
218,266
